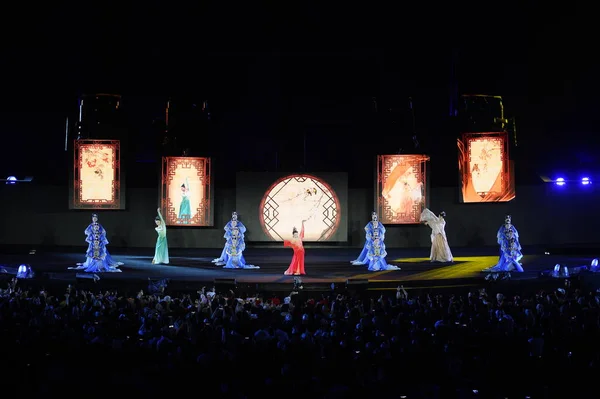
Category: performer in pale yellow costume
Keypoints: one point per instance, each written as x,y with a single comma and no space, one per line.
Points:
440,251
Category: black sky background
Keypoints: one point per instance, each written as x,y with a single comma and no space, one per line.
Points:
273,73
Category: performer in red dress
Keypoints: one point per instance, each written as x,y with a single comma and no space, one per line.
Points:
297,266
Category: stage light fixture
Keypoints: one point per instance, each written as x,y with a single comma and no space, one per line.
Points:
560,181
14,180
585,181
25,271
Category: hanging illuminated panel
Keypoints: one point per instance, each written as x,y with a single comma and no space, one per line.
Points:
484,168
187,192
401,188
96,178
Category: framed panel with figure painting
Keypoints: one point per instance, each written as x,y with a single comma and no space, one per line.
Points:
186,196
401,191
485,170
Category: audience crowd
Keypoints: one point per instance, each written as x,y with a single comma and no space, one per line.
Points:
335,345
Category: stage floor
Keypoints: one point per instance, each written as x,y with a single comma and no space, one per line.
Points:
323,265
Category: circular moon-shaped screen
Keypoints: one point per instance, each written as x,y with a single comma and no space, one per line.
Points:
295,198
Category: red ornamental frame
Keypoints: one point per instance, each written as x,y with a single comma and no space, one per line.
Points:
507,184
202,216
268,208
384,171
115,202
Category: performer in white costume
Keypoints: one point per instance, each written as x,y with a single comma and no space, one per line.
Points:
440,250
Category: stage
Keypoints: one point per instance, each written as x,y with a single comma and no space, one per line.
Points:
324,266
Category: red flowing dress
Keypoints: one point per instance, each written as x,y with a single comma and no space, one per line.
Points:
297,266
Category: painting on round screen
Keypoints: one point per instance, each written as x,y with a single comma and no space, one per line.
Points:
295,198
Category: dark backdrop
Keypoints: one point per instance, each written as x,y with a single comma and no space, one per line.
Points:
37,215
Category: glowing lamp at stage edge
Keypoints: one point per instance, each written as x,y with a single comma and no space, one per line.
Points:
11,180
560,181
586,181
295,198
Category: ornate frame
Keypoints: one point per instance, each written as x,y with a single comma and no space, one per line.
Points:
267,209
203,214
77,183
507,190
384,170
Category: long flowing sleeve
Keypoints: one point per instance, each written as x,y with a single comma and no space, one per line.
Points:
227,229
162,221
302,231
187,185
241,227
500,236
428,216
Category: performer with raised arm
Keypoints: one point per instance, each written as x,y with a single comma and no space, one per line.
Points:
440,251
161,253
233,223
370,228
235,251
185,210
297,266
510,252
98,259
376,255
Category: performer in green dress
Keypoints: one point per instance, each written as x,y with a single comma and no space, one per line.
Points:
161,254
185,210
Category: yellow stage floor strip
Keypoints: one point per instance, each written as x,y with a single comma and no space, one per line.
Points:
468,267
429,287
464,267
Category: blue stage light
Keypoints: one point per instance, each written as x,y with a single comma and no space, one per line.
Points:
585,181
560,181
11,180
25,271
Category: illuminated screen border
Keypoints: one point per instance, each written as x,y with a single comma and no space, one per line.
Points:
508,180
332,230
204,210
381,206
75,201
